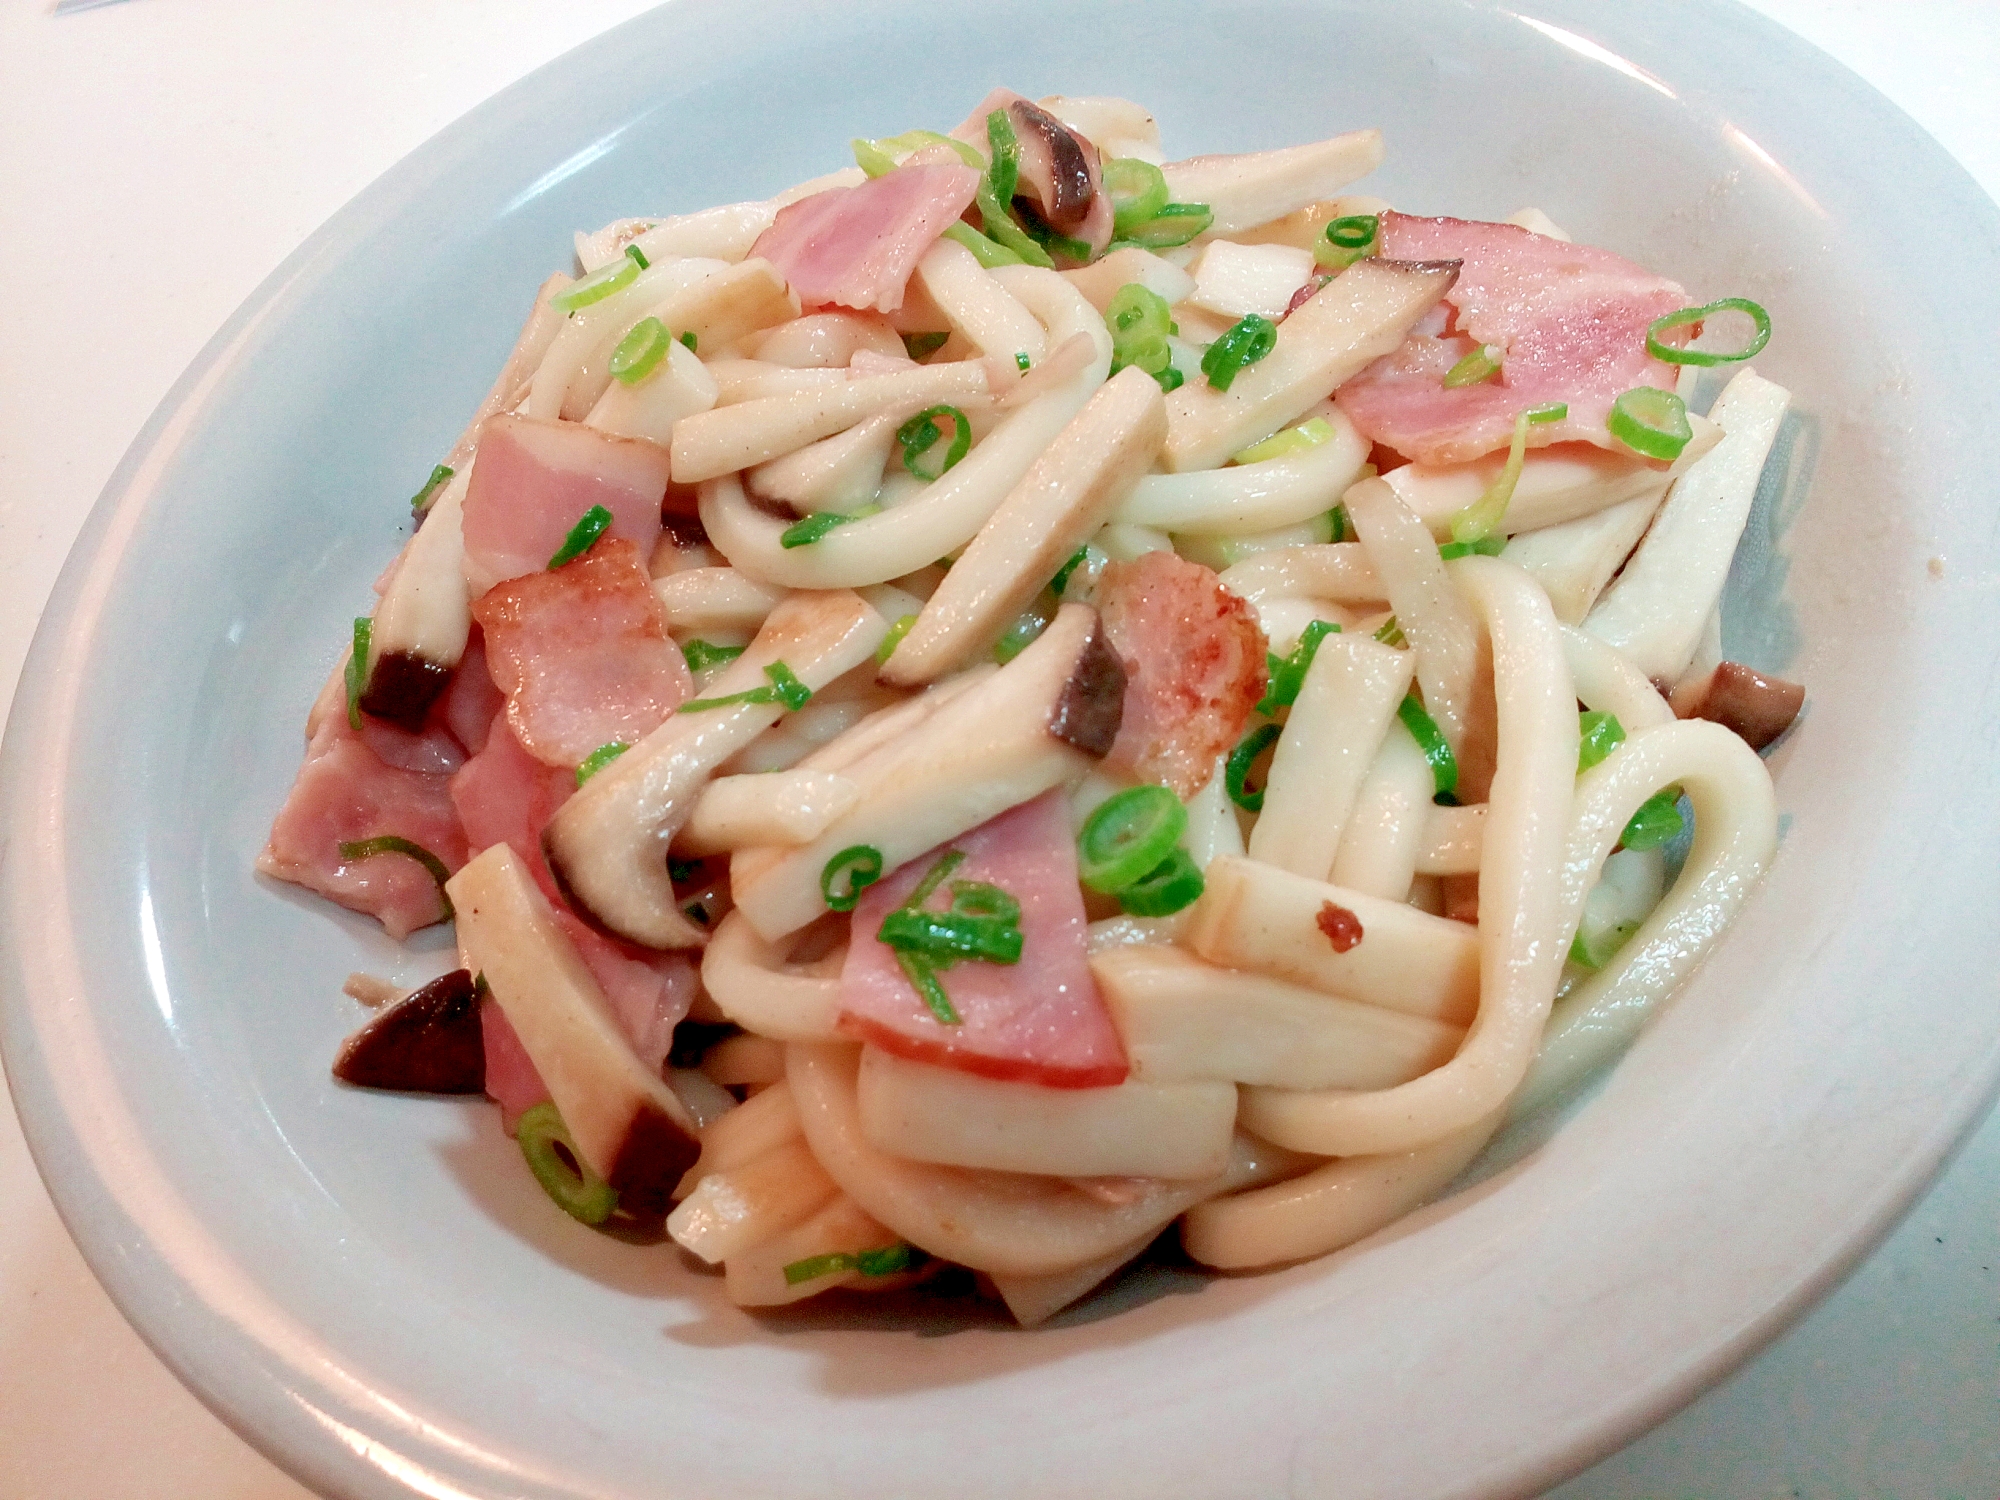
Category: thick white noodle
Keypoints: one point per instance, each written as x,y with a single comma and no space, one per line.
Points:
1345,707
585,339
1255,497
979,307
1433,616
1339,571
1735,837
945,514
1573,561
1384,837
1454,839
1609,683
698,599
753,985
1522,936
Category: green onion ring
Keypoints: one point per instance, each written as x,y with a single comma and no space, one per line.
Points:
1175,883
1128,834
1598,734
803,533
598,285
1657,820
591,525
1236,770
598,759
639,353
1675,355
560,1168
1252,337
357,668
1430,739
918,435
390,843
861,864
1481,364
1652,423
1138,192
894,638
702,654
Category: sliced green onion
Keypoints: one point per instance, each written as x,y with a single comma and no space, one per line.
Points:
988,253
1000,226
639,256
1657,820
978,898
923,345
920,434
639,353
1288,673
1003,171
560,1168
894,638
1138,192
945,938
923,977
1481,364
1389,633
1061,244
1338,523
884,1262
421,500
1140,322
591,525
1175,224
1676,355
1019,637
1127,835
357,668
1059,584
390,843
702,655
1253,337
1482,518
848,874
804,533
935,876
1306,436
1598,734
1175,883
598,285
1236,770
689,338
598,759
1602,947
1347,239
1653,423
784,688
1430,739
1486,546
871,158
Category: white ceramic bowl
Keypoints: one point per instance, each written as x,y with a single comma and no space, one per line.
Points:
372,1290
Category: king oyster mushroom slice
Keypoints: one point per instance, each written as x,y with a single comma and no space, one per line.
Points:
1040,721
1256,187
1355,319
628,1125
425,616
608,844
1066,495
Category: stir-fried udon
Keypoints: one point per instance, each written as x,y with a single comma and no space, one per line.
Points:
1022,693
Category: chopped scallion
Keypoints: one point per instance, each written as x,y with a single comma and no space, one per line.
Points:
639,256
702,654
1307,435
390,843
945,938
1339,524
1127,835
1140,322
1657,820
784,687
923,345
1486,546
1138,192
1437,749
1389,633
989,253
1175,224
357,668
886,1261
848,874
1651,422
1236,770
1059,584
421,500
1598,734
1675,354
591,525
1003,171
598,759
1348,238
1288,673
1176,882
598,285
921,433
804,532
1482,518
1019,636
1253,337
894,638
560,1168
1481,364
1021,360
639,353
690,339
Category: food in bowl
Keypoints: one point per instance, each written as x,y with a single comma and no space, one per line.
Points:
1023,693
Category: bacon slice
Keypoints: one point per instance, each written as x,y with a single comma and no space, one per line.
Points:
534,480
1194,667
345,793
582,654
512,1080
1038,1021
470,700
856,246
1570,319
506,796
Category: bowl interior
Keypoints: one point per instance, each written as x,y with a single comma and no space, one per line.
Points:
374,1292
